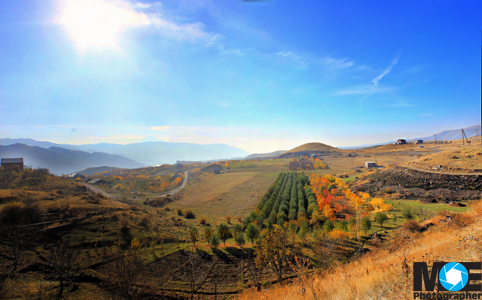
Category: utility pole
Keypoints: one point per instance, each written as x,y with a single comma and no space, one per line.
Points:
435,138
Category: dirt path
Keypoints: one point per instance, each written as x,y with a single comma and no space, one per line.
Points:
98,190
177,189
437,172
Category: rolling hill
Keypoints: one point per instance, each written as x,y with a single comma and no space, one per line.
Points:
309,149
63,161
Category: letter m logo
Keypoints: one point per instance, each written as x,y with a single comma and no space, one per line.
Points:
420,273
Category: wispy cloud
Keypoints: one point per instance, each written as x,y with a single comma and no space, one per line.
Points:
401,104
335,63
160,128
290,57
366,89
305,61
424,115
374,87
386,71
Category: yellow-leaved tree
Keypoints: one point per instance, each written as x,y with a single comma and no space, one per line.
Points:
377,203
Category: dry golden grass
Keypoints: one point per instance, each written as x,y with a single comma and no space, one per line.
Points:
214,195
386,273
467,159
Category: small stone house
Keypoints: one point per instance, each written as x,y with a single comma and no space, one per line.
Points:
370,164
13,163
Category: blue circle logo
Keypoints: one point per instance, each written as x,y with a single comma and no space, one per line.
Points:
453,276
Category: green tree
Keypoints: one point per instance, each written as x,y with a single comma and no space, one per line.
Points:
239,239
224,233
193,236
252,232
342,225
394,218
214,241
328,226
236,229
366,224
208,233
351,224
380,218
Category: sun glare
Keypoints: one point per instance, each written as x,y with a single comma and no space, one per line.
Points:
98,24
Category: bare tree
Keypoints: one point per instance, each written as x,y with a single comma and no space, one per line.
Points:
125,275
65,261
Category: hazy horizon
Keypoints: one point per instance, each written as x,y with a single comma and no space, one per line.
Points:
260,76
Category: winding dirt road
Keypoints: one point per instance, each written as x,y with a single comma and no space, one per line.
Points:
176,189
98,190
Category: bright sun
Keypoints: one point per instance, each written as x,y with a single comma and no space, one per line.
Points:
98,23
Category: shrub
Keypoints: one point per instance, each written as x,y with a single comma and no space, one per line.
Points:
179,211
411,225
461,220
189,214
145,222
167,208
407,214
202,221
124,226
388,191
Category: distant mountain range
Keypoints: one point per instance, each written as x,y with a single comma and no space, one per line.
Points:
455,134
147,153
264,155
447,135
156,153
64,161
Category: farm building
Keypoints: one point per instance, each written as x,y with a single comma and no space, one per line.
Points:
421,146
13,163
76,175
370,164
401,142
216,170
419,142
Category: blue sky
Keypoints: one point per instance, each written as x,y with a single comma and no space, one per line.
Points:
261,76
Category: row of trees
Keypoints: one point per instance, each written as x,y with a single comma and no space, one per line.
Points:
306,163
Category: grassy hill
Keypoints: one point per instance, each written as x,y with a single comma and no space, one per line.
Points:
310,148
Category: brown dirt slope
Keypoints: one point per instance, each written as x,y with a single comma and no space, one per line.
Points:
411,184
